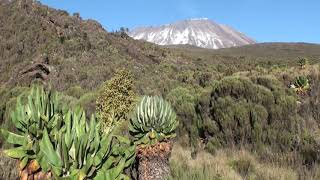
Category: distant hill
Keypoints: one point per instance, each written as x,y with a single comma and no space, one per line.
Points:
278,53
197,32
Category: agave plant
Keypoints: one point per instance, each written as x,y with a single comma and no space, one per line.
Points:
153,124
301,84
80,150
41,111
52,142
153,121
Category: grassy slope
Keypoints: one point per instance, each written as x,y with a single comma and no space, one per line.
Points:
228,164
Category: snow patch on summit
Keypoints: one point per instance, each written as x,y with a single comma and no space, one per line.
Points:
199,32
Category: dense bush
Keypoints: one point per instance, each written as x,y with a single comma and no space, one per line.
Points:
183,102
75,91
255,113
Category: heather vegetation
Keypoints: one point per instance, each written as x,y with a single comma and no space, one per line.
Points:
67,85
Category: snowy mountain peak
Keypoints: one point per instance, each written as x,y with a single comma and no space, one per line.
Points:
199,19
200,32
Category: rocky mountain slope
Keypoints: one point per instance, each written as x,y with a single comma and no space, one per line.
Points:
40,43
198,32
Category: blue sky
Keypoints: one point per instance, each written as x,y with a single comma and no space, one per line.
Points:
263,20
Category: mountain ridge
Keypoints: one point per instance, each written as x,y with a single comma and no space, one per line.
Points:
200,32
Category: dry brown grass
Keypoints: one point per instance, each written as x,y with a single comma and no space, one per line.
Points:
225,164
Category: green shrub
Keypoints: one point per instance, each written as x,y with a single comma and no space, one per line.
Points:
256,112
75,91
184,104
243,166
213,145
88,101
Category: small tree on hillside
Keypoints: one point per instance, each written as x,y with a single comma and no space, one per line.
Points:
116,98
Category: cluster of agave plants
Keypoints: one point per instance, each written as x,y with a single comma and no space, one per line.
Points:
54,141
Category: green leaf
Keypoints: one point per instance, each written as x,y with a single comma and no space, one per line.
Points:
105,147
13,138
101,174
65,155
144,140
130,158
23,162
47,149
42,161
115,172
82,175
56,170
73,174
81,153
88,165
123,139
17,153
